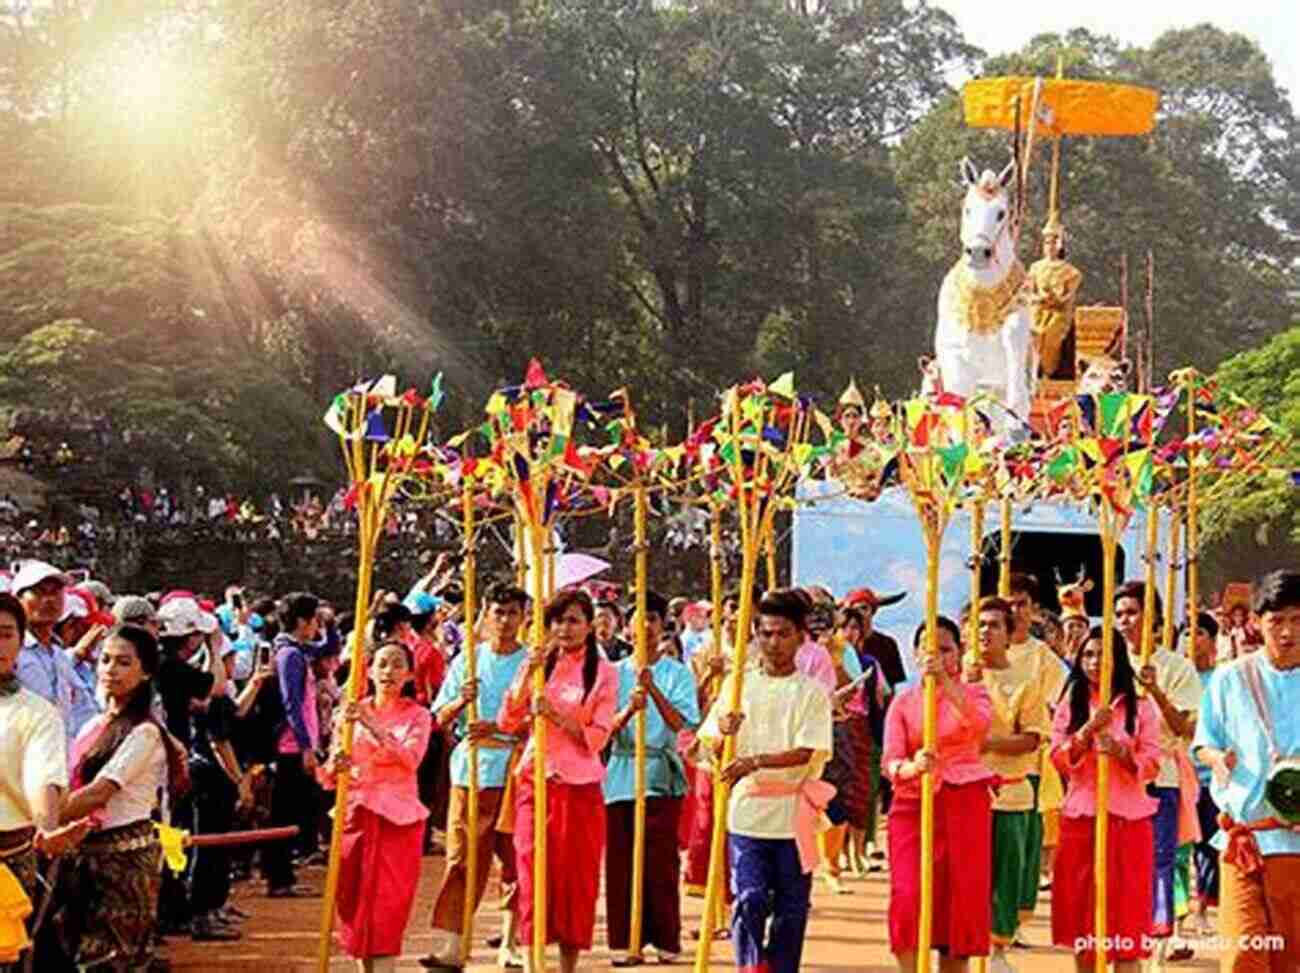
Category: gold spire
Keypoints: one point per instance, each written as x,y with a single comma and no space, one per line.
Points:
851,397
881,409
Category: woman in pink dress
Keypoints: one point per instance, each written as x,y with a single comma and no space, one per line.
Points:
383,825
1129,733
581,692
963,810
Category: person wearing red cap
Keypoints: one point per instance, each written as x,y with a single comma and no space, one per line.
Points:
876,644
878,650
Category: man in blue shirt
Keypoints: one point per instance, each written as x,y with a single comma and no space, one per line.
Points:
43,666
496,664
1247,725
665,689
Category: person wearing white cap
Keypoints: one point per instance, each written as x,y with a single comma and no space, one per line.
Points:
43,666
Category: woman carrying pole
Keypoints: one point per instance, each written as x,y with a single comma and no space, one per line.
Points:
383,823
578,708
962,809
1128,733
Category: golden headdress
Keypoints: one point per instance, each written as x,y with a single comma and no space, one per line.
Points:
851,397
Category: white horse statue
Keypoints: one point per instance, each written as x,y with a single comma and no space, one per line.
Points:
984,339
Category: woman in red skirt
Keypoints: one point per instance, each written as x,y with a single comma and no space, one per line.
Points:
383,826
581,692
963,816
1128,733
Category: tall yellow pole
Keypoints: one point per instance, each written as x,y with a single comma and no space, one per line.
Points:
1004,559
715,573
1100,841
973,622
356,684
470,584
769,546
1149,586
550,567
1171,574
929,734
721,792
1193,527
715,583
642,657
751,536
521,553
537,536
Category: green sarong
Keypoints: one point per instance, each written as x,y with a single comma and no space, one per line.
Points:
1011,840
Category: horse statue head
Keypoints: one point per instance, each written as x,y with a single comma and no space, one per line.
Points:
986,216
983,337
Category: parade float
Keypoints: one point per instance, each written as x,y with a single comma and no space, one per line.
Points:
1025,450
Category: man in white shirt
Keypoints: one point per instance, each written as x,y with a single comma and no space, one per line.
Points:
33,765
783,739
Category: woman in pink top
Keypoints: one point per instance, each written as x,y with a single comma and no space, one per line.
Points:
1128,732
383,826
963,816
581,691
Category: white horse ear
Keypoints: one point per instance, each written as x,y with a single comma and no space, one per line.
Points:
969,174
1004,178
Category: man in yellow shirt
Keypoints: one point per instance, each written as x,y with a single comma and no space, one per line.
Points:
1011,751
1034,662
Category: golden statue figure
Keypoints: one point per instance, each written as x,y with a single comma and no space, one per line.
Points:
857,462
1053,284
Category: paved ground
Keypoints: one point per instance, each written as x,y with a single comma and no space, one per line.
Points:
847,933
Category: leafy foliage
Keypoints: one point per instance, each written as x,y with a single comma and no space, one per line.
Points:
217,214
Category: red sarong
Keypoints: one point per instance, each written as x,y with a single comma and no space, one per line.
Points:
1130,850
697,851
575,847
963,865
378,874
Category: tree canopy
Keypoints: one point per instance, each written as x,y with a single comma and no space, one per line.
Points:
215,214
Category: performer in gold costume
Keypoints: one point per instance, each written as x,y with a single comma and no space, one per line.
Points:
1053,284
858,461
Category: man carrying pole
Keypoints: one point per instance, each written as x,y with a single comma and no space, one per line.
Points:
665,691
1010,750
498,663
782,732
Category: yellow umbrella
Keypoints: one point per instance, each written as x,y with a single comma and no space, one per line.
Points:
1058,106
1065,106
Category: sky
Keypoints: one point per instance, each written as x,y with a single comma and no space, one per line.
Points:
1000,27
